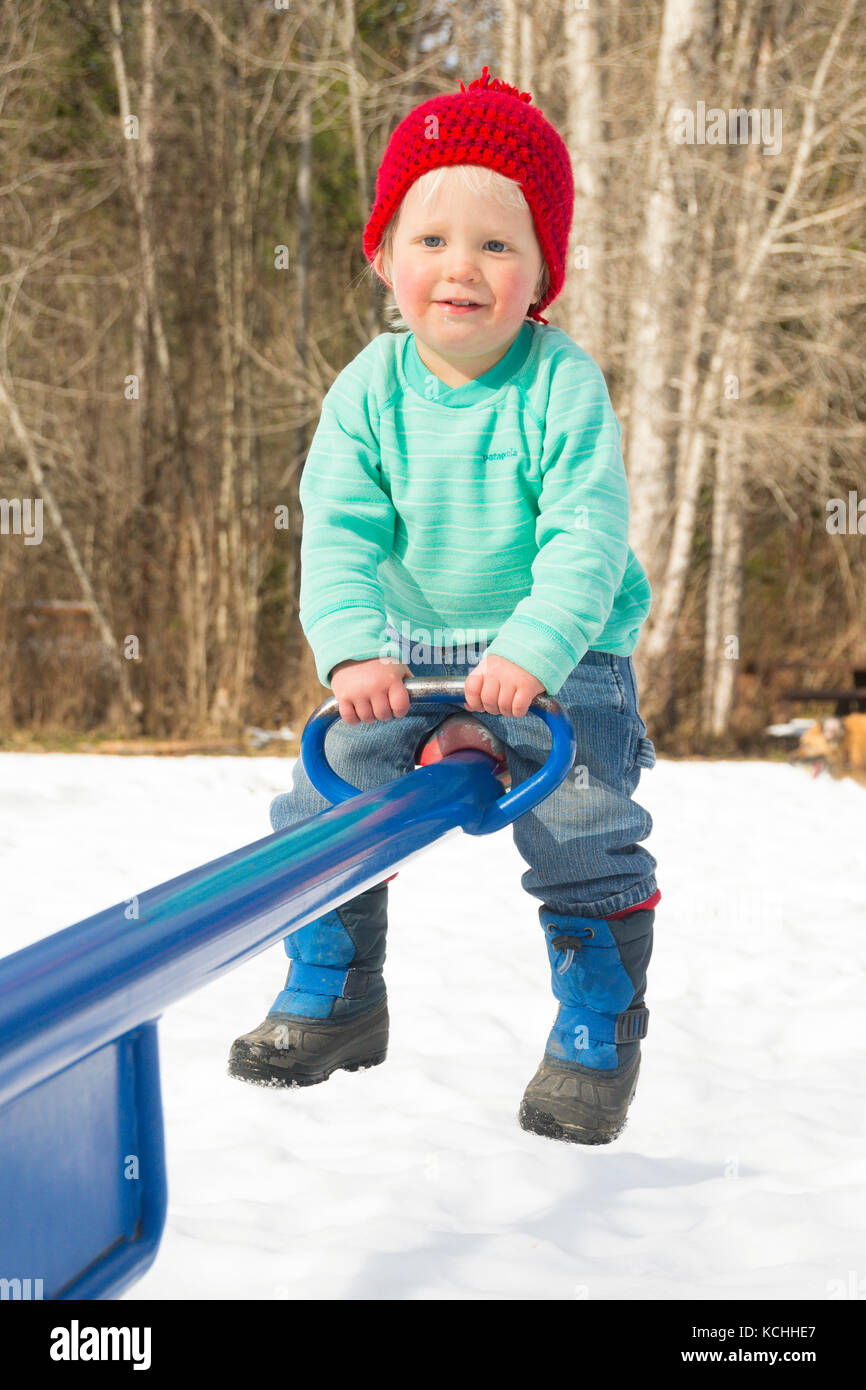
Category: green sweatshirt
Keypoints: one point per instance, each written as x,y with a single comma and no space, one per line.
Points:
492,515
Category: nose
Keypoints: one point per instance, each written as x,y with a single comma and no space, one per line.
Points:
462,287
466,280
463,269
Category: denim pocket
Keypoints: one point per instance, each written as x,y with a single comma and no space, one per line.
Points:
596,681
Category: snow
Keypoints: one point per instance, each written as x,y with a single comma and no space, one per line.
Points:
740,1173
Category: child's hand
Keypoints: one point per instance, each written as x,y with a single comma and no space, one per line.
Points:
499,686
370,690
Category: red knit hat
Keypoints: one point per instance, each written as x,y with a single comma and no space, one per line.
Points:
487,123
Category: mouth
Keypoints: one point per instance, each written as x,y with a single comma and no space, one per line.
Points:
459,306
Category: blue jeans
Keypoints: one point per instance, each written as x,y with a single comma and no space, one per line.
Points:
582,843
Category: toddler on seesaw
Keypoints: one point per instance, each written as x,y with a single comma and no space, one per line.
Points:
466,514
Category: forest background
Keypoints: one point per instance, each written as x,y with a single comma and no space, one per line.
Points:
183,190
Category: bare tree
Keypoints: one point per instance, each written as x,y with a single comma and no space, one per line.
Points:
724,596
510,41
658,643
585,296
24,437
683,51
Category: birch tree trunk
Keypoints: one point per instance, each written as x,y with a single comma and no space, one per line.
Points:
239,152
725,579
690,444
585,298
528,63
348,34
247,165
225,251
724,586
139,164
303,194
686,26
509,51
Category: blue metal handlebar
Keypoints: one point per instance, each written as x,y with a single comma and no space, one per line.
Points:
450,690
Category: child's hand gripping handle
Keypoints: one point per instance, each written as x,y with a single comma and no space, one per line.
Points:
450,690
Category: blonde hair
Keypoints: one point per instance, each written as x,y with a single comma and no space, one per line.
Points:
469,178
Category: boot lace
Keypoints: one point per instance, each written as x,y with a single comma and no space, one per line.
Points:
568,944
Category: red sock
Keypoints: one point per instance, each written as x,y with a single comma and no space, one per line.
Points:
650,902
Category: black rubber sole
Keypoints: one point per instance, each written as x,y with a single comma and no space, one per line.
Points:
539,1122
260,1074
577,1104
285,1050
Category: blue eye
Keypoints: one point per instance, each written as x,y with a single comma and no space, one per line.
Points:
433,236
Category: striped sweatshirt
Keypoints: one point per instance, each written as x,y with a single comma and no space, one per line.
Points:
492,515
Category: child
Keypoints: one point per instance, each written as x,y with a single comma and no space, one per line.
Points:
466,514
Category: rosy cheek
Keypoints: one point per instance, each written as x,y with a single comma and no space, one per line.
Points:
511,286
414,281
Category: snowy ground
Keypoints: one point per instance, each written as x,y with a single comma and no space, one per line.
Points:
741,1171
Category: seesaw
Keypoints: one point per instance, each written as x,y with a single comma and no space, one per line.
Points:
83,1189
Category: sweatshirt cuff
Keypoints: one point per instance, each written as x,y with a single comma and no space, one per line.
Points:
539,649
331,643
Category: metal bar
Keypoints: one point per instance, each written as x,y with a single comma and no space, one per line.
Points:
438,690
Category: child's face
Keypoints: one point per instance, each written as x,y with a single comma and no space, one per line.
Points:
462,246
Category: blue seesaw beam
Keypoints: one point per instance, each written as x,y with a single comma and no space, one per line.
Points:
82,1166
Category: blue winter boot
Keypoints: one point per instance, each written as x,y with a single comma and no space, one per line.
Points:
588,1075
333,1011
